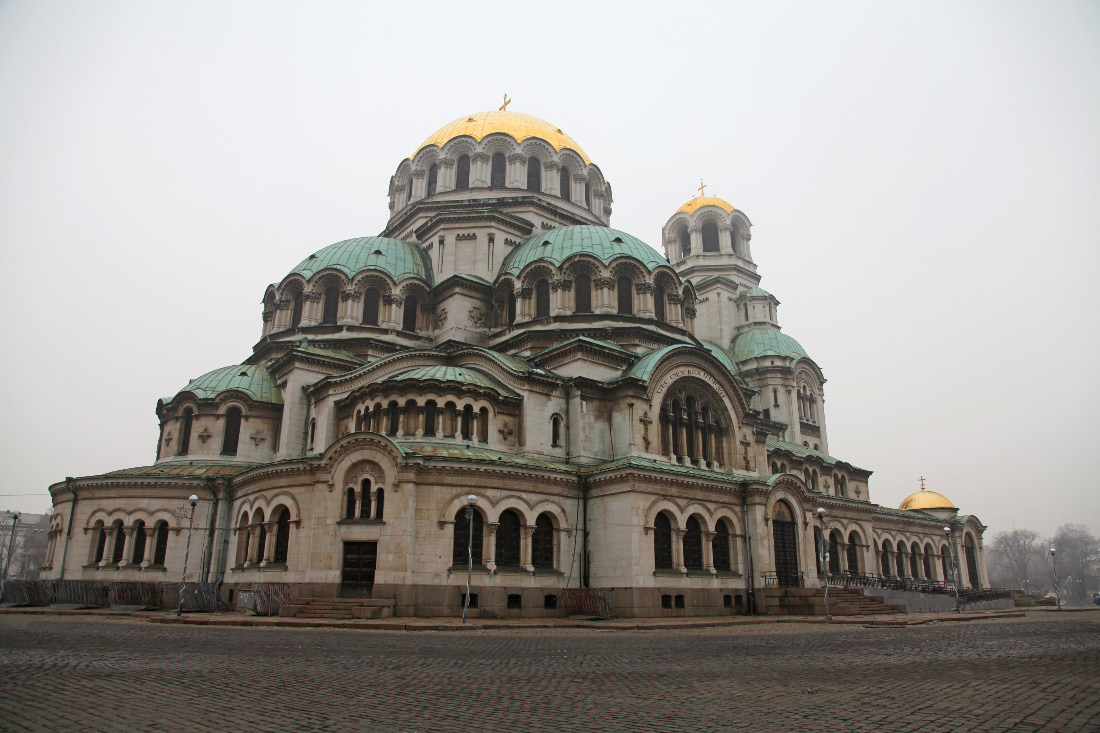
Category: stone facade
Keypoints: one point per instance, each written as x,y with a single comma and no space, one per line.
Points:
624,421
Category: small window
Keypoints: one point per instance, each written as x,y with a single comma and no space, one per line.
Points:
433,179
775,398
101,542
549,602
666,601
371,300
685,241
161,550
473,600
710,237
727,601
296,312
587,196
430,411
515,601
626,298
409,192
680,601
582,285
364,500
138,554
282,537
331,306
185,435
408,320
312,432
499,168
232,435
511,309
379,503
659,303
462,172
555,431
542,299
534,174
563,184
349,504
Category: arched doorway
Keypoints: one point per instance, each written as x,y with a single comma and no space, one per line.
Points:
786,546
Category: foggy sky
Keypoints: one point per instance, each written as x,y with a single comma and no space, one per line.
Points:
923,182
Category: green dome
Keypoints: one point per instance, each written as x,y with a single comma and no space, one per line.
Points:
400,260
252,380
766,342
558,245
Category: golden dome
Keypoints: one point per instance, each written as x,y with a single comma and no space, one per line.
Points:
516,124
700,201
925,499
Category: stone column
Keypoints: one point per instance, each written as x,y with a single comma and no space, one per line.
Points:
604,286
515,175
311,308
391,311
725,239
675,310
696,239
127,548
446,179
269,542
526,548
479,170
551,178
645,298
350,313
150,546
253,553
523,305
491,557
282,314
678,550
108,546
708,552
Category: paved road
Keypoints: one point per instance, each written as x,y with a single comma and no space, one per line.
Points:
1041,672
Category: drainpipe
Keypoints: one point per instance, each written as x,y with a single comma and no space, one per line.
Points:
69,533
750,605
584,537
227,505
211,526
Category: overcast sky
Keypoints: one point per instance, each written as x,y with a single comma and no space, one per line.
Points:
923,181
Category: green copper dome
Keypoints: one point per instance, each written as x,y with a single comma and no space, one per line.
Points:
766,342
252,380
400,260
558,245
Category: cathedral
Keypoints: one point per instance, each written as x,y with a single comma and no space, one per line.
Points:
500,378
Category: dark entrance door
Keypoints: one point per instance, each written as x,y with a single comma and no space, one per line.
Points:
786,554
359,563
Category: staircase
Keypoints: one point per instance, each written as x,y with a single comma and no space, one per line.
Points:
811,602
347,609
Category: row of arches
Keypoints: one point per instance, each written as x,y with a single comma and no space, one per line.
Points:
231,431
498,175
693,548
694,425
807,404
263,541
429,419
709,231
339,306
135,545
813,479
511,543
910,559
367,504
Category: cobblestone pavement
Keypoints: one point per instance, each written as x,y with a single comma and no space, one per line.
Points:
1041,672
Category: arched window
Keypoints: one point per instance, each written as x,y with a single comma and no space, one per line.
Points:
101,541
462,548
945,565
467,420
160,552
900,560
312,432
232,434
914,560
582,287
185,433
886,561
662,543
379,502
785,542
296,310
813,479
834,551
242,540
331,305
409,191
720,548
542,542
137,554
508,532
364,499
500,166
371,300
659,303
393,416
261,535
430,410
482,425
462,172
408,317
685,241
843,486
853,552
282,536
587,196
563,184
542,299
534,174
349,504
971,562
433,179
555,430
927,554
511,309
120,542
626,298
710,236
693,545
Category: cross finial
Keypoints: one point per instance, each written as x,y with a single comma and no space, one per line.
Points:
922,483
504,106
702,188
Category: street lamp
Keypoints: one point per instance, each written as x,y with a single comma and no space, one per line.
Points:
193,500
954,567
471,501
11,544
824,560
1054,561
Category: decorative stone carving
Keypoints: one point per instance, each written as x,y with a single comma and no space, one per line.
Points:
604,282
505,431
643,287
548,227
257,437
350,294
441,318
477,318
465,237
205,435
646,421
168,438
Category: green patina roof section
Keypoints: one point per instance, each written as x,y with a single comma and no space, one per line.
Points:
587,340
183,469
514,363
564,242
649,464
754,292
802,451
766,342
251,379
462,375
906,513
401,260
483,455
331,353
722,355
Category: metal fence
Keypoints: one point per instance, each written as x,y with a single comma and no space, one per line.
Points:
591,602
269,597
915,585
105,594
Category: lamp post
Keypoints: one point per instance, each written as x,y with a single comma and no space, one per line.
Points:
1054,561
11,543
193,500
824,560
471,501
954,567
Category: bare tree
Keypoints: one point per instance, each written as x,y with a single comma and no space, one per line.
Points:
1078,554
1017,558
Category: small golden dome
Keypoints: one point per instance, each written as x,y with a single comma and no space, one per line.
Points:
516,124
925,499
700,201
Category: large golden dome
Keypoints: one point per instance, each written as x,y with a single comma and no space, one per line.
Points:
516,124
925,499
700,201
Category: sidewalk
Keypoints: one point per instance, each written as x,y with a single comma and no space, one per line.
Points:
479,624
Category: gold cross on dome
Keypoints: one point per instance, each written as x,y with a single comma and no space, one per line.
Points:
504,107
702,188
922,483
